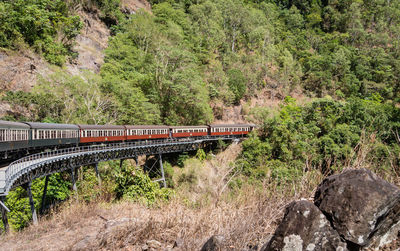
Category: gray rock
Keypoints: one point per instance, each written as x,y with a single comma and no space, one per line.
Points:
215,243
363,208
153,244
304,227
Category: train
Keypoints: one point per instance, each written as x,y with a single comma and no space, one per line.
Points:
21,138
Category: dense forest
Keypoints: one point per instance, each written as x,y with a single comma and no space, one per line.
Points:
170,65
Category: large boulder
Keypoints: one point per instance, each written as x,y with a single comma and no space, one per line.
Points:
304,227
363,208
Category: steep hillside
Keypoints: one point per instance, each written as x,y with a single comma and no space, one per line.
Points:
22,68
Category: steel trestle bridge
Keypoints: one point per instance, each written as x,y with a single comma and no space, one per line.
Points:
23,171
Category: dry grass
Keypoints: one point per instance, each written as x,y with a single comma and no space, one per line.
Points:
245,216
244,220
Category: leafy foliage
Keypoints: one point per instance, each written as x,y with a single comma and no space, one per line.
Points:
133,184
323,134
46,25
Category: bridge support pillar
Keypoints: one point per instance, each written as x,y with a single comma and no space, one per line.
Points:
32,203
46,182
121,161
136,160
73,179
96,168
162,170
4,215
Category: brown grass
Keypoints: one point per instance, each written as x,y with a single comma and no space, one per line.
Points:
245,216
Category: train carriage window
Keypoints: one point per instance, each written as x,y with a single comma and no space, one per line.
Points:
2,135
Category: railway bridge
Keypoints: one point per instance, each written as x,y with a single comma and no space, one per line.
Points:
23,171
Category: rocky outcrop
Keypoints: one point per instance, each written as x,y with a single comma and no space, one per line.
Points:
304,227
361,206
19,70
354,210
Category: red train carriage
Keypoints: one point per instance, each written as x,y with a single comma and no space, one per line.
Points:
188,131
101,133
146,132
234,129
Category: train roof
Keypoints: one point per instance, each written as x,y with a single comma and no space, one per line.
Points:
233,125
10,124
182,127
102,127
36,125
146,127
